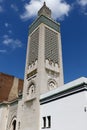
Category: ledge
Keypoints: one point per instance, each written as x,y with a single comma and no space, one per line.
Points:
66,90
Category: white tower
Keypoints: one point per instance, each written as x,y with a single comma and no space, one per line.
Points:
44,70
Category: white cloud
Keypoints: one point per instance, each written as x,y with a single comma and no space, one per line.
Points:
14,43
83,6
1,1
14,7
3,51
59,8
6,24
10,31
85,13
1,9
82,2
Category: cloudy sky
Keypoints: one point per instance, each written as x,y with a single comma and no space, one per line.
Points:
17,15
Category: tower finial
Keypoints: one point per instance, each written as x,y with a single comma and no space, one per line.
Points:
44,10
44,3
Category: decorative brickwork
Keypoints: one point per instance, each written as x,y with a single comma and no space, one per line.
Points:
51,45
33,50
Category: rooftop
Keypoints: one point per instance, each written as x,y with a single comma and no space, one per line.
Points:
67,89
10,87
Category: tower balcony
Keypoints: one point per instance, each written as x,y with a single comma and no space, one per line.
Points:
52,66
32,67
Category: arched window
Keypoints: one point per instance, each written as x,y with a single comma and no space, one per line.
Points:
52,84
31,89
14,125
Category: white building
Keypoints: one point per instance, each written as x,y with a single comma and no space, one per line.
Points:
46,103
65,108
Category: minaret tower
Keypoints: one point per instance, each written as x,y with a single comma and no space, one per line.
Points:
44,70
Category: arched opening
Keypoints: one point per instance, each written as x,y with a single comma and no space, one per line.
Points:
31,89
14,125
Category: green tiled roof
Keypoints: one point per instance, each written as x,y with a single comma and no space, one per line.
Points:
49,22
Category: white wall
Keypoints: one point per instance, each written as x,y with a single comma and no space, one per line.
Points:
66,113
3,117
12,114
0,114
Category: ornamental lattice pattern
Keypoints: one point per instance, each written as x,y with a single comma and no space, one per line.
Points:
33,50
51,45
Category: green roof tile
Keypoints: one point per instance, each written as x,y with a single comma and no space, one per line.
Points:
43,19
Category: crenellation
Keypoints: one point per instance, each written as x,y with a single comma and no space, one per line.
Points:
32,67
52,66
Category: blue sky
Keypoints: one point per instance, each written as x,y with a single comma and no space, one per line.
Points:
15,18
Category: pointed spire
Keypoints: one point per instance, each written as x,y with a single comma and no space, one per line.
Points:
44,3
44,11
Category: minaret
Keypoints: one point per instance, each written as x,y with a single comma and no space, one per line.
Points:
44,70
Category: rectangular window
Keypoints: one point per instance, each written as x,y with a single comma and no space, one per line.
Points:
49,121
46,122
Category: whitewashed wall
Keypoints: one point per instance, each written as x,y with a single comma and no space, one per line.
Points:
66,113
0,114
3,117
